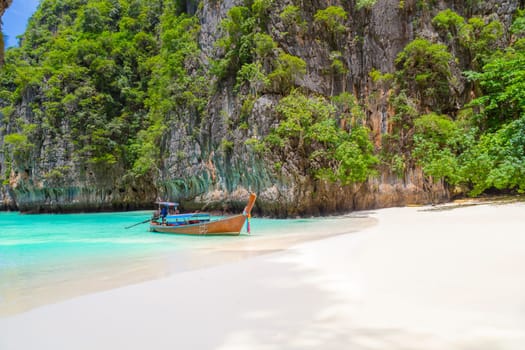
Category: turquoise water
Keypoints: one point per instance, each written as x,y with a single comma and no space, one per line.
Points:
47,258
27,240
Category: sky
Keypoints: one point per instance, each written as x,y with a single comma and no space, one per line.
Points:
15,19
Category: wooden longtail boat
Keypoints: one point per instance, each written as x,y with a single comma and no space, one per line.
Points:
200,223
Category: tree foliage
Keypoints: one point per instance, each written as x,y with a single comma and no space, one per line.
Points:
437,142
424,70
288,69
502,81
478,36
97,73
331,22
308,126
497,160
480,152
366,4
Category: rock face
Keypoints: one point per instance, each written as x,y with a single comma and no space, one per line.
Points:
373,39
197,171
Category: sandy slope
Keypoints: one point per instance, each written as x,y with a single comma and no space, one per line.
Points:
420,279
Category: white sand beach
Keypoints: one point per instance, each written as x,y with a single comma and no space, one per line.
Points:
419,279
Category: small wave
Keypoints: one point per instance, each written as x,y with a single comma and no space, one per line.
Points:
20,242
14,242
113,240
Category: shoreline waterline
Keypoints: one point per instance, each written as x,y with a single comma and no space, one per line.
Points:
29,288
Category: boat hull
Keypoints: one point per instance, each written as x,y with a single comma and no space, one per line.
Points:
228,226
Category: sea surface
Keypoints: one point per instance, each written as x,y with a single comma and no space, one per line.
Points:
48,258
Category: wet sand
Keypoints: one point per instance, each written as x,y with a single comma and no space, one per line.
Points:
419,279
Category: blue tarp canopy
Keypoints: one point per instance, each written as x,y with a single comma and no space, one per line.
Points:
189,216
168,204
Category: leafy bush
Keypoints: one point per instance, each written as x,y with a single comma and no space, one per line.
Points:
480,38
497,160
291,16
448,21
367,4
288,69
503,85
308,127
424,70
331,22
437,141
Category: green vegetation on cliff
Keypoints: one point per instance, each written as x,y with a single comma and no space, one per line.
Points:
483,146
106,76
309,129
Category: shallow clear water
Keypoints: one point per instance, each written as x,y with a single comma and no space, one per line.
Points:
51,257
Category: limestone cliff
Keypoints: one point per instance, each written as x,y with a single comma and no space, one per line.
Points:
372,40
205,159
